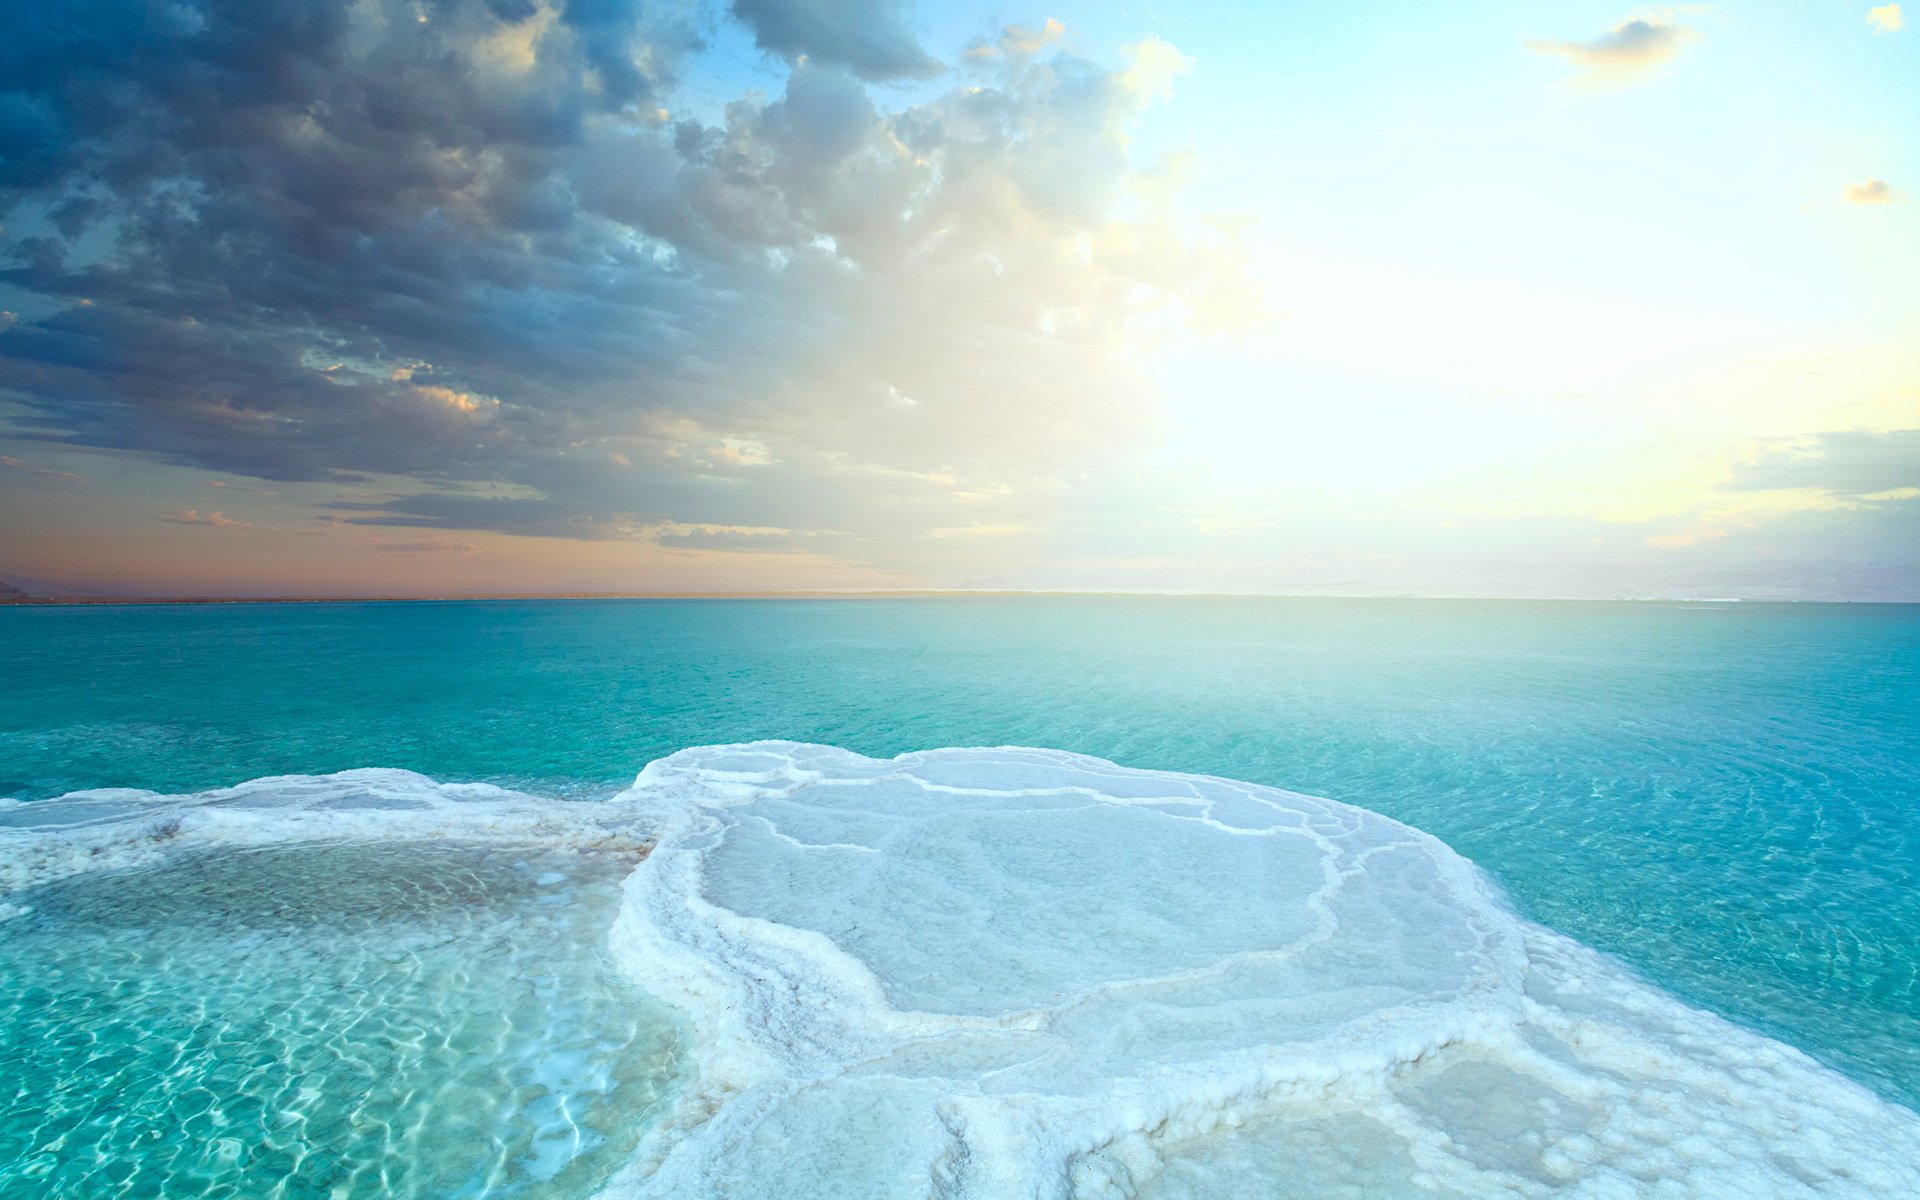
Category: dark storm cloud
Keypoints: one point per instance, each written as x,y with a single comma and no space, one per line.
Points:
1847,464
471,244
267,188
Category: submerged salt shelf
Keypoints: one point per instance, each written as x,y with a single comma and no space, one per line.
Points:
1023,973
300,1020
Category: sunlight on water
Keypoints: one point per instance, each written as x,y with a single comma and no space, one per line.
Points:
335,1020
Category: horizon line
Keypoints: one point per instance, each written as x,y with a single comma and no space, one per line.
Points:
108,599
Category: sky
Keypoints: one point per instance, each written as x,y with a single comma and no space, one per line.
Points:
411,297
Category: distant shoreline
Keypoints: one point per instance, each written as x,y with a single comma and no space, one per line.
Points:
901,594
485,596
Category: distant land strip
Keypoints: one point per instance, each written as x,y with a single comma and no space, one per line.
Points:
18,599
901,594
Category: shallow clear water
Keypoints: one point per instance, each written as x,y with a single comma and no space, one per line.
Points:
332,1020
1727,796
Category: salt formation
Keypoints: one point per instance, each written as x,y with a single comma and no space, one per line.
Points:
1029,975
115,828
1022,973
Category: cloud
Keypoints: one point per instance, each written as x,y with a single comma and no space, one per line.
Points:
1681,541
476,288
1850,465
1884,19
1623,54
1873,191
193,516
428,547
870,38
1020,41
981,531
15,464
737,539
1856,552
1152,66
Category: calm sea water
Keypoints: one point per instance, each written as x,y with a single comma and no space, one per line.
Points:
314,1022
1726,796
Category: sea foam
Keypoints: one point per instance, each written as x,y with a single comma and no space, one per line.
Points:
1025,973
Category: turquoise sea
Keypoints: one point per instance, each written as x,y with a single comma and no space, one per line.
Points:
1724,796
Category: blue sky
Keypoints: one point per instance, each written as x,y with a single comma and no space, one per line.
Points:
1500,299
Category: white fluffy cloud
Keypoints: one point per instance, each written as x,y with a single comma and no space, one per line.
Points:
1625,54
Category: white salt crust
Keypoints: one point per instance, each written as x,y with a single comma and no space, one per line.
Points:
1023,973
119,828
